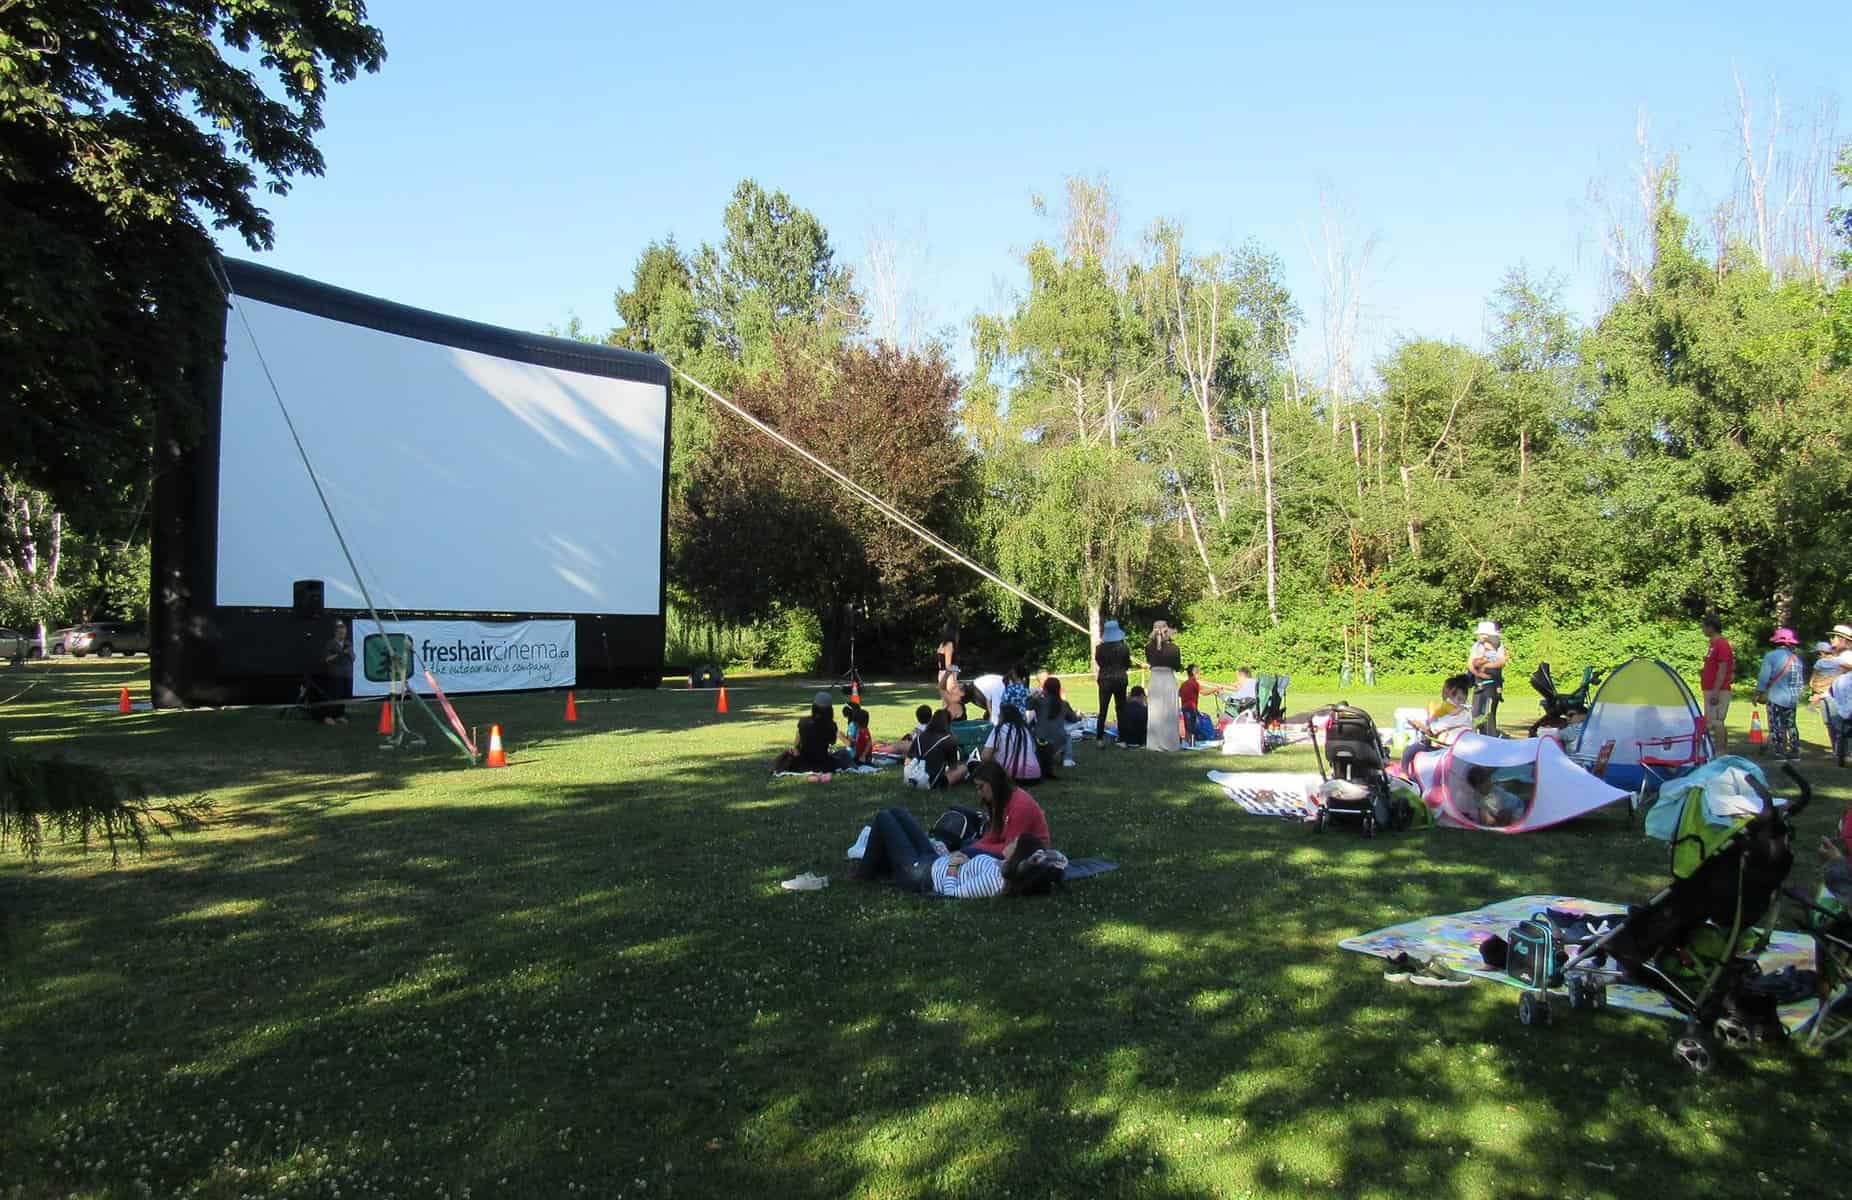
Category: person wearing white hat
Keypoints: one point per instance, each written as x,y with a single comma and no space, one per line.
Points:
1486,664
1113,660
1833,658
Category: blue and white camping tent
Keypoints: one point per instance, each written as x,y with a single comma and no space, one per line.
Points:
1643,713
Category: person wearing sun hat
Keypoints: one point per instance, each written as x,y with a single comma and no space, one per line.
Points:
1779,685
1486,664
1113,658
1828,684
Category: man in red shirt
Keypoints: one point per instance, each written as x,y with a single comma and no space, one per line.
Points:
1718,673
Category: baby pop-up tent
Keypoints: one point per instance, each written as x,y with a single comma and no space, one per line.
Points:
1508,785
1648,714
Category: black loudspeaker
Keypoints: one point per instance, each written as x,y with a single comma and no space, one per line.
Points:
308,599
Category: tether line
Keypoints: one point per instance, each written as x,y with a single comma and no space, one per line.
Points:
877,503
225,288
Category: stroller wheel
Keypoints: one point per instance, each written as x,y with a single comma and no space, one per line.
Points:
1534,1009
1324,819
1694,1050
1734,1034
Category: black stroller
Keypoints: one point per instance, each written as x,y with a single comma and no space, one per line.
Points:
1561,708
1695,943
1357,786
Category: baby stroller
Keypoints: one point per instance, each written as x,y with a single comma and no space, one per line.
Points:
1561,708
1268,703
1357,786
1695,943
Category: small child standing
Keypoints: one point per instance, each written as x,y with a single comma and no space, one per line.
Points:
1779,685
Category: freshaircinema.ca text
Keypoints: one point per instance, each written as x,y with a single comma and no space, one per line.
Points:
461,651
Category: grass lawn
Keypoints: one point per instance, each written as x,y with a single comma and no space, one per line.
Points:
388,973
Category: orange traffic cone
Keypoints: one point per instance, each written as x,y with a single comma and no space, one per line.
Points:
496,757
720,706
572,708
123,703
385,719
855,692
1756,736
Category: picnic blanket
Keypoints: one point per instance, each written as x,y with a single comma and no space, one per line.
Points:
1272,793
1086,868
826,776
1454,939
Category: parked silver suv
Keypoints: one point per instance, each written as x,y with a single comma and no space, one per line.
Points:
104,638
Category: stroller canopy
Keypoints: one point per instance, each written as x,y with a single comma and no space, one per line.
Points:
1644,708
1508,785
1699,811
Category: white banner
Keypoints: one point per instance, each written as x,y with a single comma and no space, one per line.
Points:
465,656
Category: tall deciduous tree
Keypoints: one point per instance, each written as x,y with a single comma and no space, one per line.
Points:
760,528
125,129
774,274
1080,355
31,551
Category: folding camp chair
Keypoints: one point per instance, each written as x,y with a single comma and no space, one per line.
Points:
1665,759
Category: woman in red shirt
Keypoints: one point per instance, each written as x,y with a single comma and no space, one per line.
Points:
1013,812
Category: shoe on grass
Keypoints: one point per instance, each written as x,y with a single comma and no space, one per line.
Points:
861,843
1068,762
807,882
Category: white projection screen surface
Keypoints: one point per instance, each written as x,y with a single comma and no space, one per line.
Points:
463,482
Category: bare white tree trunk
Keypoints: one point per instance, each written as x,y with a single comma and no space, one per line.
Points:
1343,269
1196,533
1414,522
1266,458
1093,635
896,316
1627,229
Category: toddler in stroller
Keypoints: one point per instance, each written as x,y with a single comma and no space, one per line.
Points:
1696,941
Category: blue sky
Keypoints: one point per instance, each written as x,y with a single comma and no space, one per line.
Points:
509,163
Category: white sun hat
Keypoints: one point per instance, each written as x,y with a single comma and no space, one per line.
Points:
1487,629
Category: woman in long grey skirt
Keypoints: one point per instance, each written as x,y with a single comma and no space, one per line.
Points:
1164,657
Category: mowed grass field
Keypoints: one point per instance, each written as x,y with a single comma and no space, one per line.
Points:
392,974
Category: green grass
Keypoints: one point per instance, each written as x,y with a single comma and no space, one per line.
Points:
388,973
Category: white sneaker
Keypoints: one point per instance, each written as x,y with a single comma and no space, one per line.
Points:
1068,762
806,882
861,843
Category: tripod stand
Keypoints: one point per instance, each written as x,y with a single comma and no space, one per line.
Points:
309,696
852,678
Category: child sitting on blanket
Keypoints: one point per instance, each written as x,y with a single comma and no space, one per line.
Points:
861,743
1133,719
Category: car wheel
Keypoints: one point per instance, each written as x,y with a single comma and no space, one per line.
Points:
105,650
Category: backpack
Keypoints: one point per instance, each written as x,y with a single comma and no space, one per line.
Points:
958,826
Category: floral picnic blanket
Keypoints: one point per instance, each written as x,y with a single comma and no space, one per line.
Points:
1454,939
